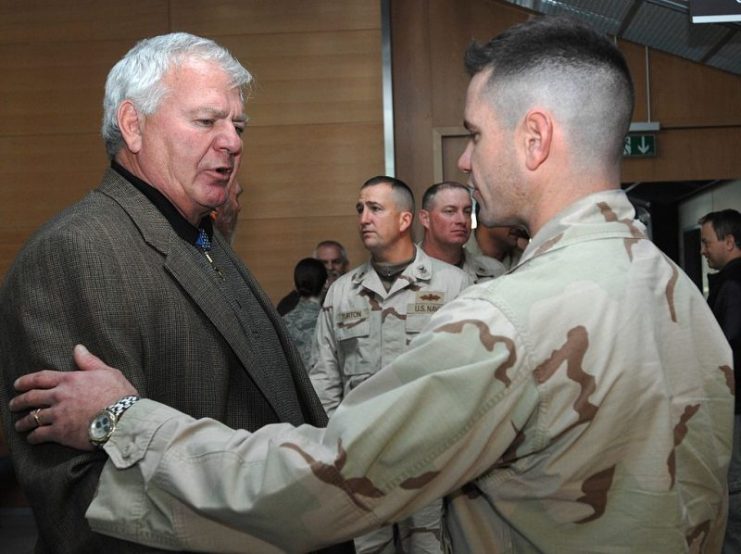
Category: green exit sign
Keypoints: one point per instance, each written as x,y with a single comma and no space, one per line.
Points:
639,146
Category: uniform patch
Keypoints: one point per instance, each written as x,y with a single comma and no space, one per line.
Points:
426,302
352,317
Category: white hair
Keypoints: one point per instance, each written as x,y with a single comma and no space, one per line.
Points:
138,76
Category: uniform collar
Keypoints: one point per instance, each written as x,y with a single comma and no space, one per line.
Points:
604,214
419,270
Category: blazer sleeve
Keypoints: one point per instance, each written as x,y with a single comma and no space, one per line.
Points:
66,287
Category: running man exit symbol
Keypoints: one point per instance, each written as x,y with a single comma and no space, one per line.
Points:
639,146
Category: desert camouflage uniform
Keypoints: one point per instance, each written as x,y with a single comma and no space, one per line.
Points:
361,329
509,261
581,403
301,325
482,268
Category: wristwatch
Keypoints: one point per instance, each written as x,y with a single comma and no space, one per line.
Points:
104,423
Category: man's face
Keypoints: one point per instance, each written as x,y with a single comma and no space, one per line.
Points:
448,221
490,160
379,218
714,250
331,257
191,146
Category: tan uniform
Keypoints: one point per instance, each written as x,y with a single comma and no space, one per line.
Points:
363,328
482,268
580,403
509,261
478,267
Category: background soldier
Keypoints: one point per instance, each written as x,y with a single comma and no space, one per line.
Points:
369,317
446,218
309,277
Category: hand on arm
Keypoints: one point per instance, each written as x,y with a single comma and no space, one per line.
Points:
67,400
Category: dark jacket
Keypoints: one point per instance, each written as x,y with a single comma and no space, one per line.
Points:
725,301
110,272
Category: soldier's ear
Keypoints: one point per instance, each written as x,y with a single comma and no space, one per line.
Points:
536,137
405,221
424,218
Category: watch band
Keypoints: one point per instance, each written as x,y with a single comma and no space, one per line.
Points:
104,423
122,405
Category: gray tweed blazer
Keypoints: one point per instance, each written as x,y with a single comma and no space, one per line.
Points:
111,273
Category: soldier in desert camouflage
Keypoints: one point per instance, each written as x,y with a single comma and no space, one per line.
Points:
446,218
583,402
369,317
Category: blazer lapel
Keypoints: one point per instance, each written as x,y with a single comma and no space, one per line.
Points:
196,283
200,287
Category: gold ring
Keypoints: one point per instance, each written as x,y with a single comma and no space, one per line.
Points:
35,415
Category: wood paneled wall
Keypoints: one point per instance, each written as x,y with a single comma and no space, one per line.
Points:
699,107
316,110
316,125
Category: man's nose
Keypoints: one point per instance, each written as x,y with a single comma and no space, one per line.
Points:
464,162
229,139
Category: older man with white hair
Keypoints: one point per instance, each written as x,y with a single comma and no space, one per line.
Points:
136,271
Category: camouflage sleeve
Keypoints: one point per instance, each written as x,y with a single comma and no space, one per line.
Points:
442,414
326,371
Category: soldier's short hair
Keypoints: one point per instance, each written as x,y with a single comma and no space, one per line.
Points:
431,192
402,193
565,65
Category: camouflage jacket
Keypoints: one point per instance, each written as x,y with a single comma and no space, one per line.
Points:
362,327
581,403
301,325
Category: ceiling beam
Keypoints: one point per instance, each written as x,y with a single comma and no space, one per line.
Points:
628,19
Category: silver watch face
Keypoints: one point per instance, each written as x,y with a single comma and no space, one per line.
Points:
101,427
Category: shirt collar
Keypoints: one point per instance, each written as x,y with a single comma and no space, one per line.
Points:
180,225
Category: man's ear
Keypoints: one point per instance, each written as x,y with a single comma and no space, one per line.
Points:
537,136
729,241
424,218
405,221
128,121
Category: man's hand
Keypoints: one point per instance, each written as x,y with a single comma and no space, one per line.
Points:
60,404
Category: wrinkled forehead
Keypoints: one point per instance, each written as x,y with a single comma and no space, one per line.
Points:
195,77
